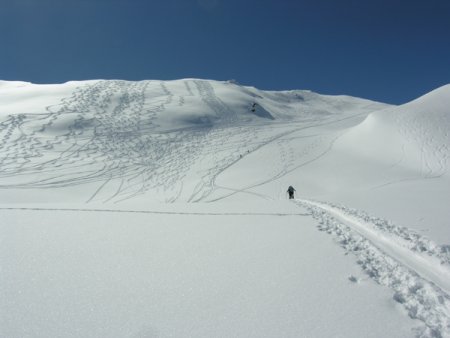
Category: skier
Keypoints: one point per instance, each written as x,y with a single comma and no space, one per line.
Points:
291,192
253,106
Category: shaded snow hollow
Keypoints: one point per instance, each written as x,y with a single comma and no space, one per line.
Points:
100,235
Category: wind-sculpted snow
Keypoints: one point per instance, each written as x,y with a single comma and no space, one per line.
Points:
415,134
129,138
425,123
416,269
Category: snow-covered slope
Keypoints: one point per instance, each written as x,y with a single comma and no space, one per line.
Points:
93,245
124,139
415,134
394,164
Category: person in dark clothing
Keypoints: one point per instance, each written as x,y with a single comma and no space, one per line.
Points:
291,192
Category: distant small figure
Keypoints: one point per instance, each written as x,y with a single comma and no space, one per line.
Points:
291,192
254,107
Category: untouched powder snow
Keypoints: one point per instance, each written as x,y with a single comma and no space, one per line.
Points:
159,209
102,275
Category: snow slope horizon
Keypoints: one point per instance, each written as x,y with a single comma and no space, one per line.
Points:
128,150
197,140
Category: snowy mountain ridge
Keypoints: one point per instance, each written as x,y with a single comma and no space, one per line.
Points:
106,125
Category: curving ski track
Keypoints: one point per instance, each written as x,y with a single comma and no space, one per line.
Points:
417,270
106,133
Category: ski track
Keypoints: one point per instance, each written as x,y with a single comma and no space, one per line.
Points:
415,268
154,212
106,133
435,152
287,161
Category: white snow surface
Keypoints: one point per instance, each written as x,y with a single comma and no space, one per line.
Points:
159,209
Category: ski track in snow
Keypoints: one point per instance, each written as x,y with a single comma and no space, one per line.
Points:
435,152
286,161
415,268
119,147
106,133
154,212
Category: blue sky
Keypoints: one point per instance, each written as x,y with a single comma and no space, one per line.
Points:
387,50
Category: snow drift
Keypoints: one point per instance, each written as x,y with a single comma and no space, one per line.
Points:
415,134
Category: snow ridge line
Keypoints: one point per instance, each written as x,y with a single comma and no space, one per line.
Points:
420,285
157,212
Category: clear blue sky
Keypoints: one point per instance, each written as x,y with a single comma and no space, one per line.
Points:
387,50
